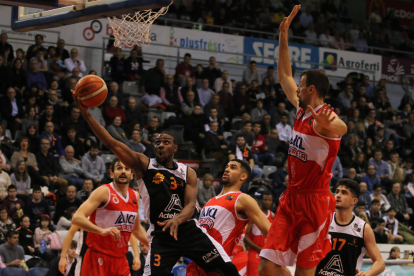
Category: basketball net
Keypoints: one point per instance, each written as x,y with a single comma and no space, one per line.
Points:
134,28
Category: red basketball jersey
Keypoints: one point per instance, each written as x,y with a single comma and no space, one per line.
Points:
219,218
117,212
311,155
256,235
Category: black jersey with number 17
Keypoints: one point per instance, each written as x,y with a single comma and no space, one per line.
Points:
162,192
348,249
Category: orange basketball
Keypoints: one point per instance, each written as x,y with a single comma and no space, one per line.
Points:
91,90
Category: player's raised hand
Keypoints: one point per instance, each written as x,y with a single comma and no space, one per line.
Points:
172,224
325,117
113,231
136,263
284,26
78,102
359,273
63,264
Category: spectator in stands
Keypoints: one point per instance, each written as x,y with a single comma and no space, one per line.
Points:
150,131
54,140
257,114
61,49
187,105
189,86
117,63
381,168
246,132
73,62
350,150
65,221
311,35
114,91
135,142
392,224
14,206
326,39
371,178
111,111
11,252
6,145
42,232
5,181
205,190
93,165
184,70
132,65
194,127
6,224
18,78
377,194
259,150
363,195
31,52
284,129
4,75
52,98
369,89
26,236
116,131
266,127
35,76
36,207
71,260
70,168
66,202
215,103
49,116
339,41
76,121
96,113
42,65
86,190
306,17
360,43
48,167
215,146
21,179
374,213
132,111
212,72
213,118
345,97
12,110
381,236
6,50
242,152
151,83
241,101
204,92
218,83
251,73
270,74
277,116
71,139
337,171
408,128
226,100
405,46
399,202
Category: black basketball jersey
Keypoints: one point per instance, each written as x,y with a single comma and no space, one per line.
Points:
162,192
348,249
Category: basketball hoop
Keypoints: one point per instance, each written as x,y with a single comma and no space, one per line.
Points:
134,28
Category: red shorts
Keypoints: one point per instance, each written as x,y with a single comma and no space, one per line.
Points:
240,261
194,270
95,263
300,228
253,263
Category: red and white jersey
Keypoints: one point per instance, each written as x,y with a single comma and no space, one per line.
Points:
219,218
311,155
256,235
117,212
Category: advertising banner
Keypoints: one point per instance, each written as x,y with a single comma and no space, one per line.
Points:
394,68
267,52
350,62
403,10
211,44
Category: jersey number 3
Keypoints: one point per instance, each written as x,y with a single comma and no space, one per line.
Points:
342,241
157,259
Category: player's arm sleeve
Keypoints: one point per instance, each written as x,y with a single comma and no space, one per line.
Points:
190,197
378,265
68,240
252,210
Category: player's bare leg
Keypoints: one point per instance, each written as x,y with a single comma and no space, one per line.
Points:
303,271
268,268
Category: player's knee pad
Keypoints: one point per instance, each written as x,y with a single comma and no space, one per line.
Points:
227,269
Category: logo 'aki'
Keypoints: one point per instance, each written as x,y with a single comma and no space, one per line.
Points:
158,178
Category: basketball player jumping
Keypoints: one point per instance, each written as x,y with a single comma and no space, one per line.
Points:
112,210
226,215
169,194
300,228
350,237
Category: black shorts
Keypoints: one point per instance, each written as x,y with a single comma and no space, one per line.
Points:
193,243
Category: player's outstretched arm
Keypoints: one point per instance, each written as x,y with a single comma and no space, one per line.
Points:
378,266
248,241
63,263
284,69
80,218
249,206
139,231
137,260
327,122
136,161
190,199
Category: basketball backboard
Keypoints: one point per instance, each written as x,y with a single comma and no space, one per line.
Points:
29,15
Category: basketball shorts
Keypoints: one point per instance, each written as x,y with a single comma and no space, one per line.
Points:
253,263
192,242
240,261
301,228
95,263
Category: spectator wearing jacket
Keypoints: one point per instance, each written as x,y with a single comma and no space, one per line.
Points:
71,169
93,165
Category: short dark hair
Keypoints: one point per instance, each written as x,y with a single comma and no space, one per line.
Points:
319,79
2,208
392,209
169,133
94,146
266,194
11,233
240,135
187,55
270,67
39,35
380,220
244,166
114,161
375,201
252,62
349,184
24,216
36,188
247,122
376,186
11,187
360,203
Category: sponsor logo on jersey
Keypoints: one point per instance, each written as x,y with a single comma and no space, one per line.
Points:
167,215
100,261
174,204
115,200
211,256
229,197
354,243
335,264
207,217
125,219
158,178
310,121
331,227
296,148
357,228
134,201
